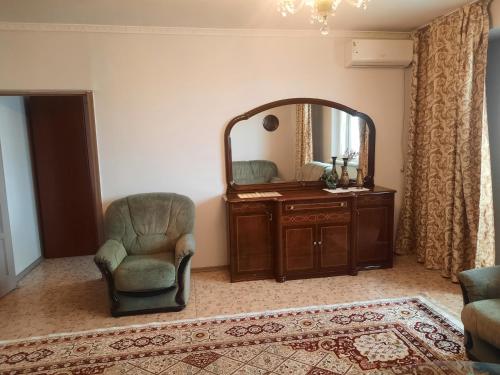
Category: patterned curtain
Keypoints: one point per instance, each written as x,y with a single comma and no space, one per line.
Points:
446,216
363,146
303,138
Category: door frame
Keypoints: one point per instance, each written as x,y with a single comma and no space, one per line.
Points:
90,142
11,279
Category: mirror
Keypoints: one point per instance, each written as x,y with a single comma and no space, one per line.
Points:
293,141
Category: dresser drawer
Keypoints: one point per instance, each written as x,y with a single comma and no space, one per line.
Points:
316,212
250,207
301,206
374,200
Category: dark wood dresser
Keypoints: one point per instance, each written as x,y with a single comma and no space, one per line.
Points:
309,233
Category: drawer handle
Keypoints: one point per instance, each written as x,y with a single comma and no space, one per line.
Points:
303,206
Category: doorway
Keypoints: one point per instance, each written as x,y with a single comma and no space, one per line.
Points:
64,171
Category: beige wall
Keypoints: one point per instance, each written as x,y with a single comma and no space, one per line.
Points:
162,102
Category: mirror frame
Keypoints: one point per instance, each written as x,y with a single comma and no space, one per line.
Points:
291,185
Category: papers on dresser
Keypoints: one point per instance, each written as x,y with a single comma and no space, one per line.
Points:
267,194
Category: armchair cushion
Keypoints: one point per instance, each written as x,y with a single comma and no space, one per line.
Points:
482,283
141,273
111,254
482,319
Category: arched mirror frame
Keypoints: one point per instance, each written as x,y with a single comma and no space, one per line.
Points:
290,185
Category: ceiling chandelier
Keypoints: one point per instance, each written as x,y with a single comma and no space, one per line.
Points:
320,9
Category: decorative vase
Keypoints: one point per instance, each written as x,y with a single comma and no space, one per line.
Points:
346,160
359,178
335,176
344,178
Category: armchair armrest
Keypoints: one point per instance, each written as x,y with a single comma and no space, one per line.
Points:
185,246
479,284
110,255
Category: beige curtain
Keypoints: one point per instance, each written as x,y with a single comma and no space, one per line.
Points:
363,146
303,138
446,216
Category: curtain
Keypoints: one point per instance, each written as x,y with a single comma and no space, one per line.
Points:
446,217
363,146
303,138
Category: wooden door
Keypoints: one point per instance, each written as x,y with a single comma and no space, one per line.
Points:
374,236
299,246
65,165
334,242
251,243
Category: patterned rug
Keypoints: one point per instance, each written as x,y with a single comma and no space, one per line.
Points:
364,338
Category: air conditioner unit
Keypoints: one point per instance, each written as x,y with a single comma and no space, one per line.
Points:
364,53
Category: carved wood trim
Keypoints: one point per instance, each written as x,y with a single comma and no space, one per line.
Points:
333,217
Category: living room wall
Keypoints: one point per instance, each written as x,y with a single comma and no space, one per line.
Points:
163,98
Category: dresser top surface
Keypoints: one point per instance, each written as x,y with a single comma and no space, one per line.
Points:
305,194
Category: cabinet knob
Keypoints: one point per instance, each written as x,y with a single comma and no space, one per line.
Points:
315,243
320,243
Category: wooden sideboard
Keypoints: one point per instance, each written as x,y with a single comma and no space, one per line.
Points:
309,233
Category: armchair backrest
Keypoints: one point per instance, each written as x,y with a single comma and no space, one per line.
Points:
149,223
254,171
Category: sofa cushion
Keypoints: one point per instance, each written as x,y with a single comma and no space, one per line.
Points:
482,319
140,273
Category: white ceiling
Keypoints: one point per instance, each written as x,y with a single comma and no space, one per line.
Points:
382,15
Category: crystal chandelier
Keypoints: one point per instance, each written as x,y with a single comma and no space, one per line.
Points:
320,9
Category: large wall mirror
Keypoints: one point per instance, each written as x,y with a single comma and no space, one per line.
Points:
291,142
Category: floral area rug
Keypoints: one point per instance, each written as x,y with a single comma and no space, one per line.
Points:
393,336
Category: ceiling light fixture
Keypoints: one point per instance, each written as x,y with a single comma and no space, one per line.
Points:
320,9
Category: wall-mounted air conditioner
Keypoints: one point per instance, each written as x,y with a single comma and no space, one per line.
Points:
365,53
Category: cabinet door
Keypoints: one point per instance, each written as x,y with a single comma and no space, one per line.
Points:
334,246
374,237
251,246
298,245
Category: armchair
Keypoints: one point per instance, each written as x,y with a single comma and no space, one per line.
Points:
146,259
481,313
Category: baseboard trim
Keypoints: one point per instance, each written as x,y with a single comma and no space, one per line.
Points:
28,269
209,269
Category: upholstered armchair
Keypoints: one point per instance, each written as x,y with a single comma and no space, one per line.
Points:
146,259
481,313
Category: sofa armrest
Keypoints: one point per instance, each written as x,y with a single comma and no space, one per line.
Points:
185,246
110,255
479,284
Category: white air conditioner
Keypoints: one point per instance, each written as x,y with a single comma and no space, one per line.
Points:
364,53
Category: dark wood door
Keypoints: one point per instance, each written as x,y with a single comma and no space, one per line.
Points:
252,240
64,163
374,239
334,241
299,249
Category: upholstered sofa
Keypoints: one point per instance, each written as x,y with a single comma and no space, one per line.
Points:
146,258
481,313
254,172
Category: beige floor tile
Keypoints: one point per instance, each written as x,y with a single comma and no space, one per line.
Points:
68,295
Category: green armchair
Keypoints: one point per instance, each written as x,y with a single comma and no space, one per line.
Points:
481,313
146,259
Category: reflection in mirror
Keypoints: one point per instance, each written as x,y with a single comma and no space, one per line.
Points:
301,148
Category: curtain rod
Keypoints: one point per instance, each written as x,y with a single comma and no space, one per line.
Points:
450,12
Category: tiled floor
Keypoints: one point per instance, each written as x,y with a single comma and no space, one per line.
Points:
68,295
